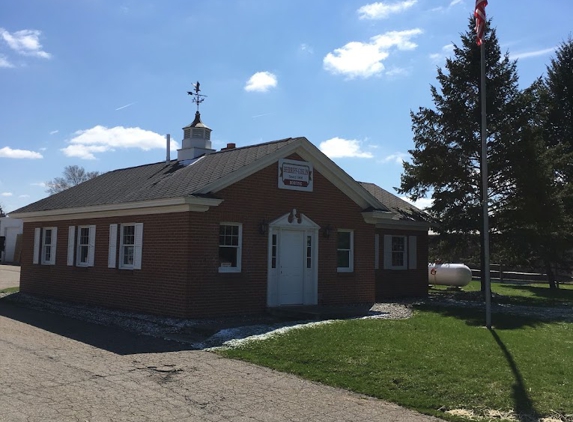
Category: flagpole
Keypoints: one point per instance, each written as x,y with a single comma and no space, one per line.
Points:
484,172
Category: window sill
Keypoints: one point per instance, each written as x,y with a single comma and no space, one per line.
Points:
226,270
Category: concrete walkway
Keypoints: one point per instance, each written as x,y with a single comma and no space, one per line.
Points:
56,368
9,276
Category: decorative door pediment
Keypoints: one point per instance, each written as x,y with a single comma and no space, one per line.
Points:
295,220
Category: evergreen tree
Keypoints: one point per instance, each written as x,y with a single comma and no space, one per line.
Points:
447,154
559,118
533,221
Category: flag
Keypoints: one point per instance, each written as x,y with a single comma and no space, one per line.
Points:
479,14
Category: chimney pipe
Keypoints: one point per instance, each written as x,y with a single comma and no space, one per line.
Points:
230,145
168,155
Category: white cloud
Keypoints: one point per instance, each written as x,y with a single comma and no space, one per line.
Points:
340,148
41,184
25,42
397,158
357,59
420,203
53,132
6,194
445,9
8,152
442,55
397,71
124,106
261,82
23,196
383,10
100,139
306,48
529,54
4,62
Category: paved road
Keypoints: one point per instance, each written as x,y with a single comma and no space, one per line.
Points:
61,369
9,276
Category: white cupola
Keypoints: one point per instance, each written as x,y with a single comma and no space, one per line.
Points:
197,135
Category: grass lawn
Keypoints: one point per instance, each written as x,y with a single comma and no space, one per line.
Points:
531,294
439,360
10,290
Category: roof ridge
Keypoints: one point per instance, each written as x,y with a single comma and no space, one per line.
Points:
256,145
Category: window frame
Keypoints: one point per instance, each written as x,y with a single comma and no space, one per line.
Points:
137,246
350,267
90,245
404,253
388,252
52,245
239,247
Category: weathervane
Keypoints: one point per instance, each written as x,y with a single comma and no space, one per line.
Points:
197,98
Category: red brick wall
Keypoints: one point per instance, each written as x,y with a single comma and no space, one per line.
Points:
159,287
403,283
179,275
253,199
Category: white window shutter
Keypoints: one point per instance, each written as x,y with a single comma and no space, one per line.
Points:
71,240
91,245
112,250
387,251
376,251
412,253
37,235
54,245
138,246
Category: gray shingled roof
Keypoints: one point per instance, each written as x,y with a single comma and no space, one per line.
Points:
174,180
404,210
156,181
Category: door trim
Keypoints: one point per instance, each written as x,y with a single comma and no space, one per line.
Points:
298,222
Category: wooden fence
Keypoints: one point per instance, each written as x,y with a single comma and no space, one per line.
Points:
498,273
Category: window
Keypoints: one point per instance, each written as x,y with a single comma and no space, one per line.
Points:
83,244
308,251
85,249
130,246
45,245
400,252
127,245
345,250
230,239
376,251
274,251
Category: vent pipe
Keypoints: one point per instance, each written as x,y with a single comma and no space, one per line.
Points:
168,155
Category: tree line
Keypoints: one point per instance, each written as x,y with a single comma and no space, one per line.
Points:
529,153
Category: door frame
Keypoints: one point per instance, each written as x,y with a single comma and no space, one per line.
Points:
289,222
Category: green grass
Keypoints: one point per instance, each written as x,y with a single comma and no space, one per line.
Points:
530,294
434,361
10,290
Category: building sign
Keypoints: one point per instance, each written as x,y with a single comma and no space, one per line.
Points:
295,175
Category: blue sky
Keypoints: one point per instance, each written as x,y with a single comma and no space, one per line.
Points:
98,83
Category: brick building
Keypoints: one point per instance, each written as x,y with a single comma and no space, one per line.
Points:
224,232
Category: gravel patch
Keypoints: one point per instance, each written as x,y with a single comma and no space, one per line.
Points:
207,334
200,334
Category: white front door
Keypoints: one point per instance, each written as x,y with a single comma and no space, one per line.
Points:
292,260
291,267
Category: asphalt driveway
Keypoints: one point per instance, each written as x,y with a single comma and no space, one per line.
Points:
57,368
